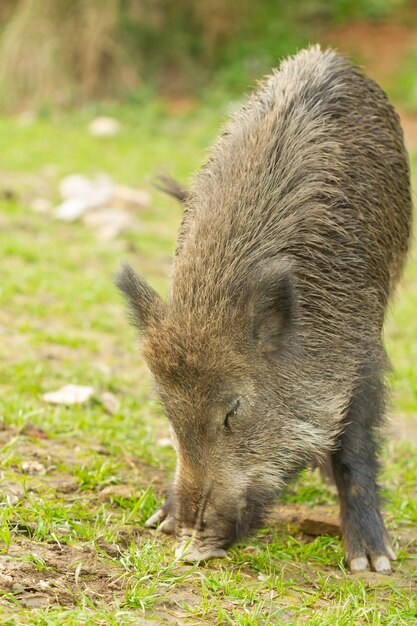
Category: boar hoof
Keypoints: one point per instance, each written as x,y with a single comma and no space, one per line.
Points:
162,520
155,519
359,564
167,525
192,553
379,563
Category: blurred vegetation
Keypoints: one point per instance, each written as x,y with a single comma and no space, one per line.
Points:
68,51
404,88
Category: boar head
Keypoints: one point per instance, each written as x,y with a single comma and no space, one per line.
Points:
225,367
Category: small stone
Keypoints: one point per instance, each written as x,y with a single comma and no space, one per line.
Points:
110,402
100,449
108,222
165,442
69,394
74,186
44,584
72,209
81,195
130,196
12,493
116,491
33,468
321,523
104,127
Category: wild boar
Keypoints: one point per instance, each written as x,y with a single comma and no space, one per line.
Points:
268,356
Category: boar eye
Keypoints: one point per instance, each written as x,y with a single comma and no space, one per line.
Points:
231,413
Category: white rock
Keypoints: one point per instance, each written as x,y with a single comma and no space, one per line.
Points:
69,394
108,223
82,195
75,185
104,127
110,402
165,442
44,584
129,195
33,468
72,209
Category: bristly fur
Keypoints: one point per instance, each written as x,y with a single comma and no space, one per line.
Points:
308,186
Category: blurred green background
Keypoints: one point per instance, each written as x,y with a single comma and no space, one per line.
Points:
64,52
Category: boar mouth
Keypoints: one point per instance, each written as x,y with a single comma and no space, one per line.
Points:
196,545
192,551
203,543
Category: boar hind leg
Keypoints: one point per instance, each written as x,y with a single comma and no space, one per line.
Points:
355,468
163,518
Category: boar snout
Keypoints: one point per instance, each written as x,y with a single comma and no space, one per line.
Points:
207,522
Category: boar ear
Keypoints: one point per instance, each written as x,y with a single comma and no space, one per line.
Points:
274,306
144,303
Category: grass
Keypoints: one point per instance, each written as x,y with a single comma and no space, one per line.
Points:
73,549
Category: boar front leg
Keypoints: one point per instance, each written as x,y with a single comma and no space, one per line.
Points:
355,468
163,518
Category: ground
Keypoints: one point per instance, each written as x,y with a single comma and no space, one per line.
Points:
78,482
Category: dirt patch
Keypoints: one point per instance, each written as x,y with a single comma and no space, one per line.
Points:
40,574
